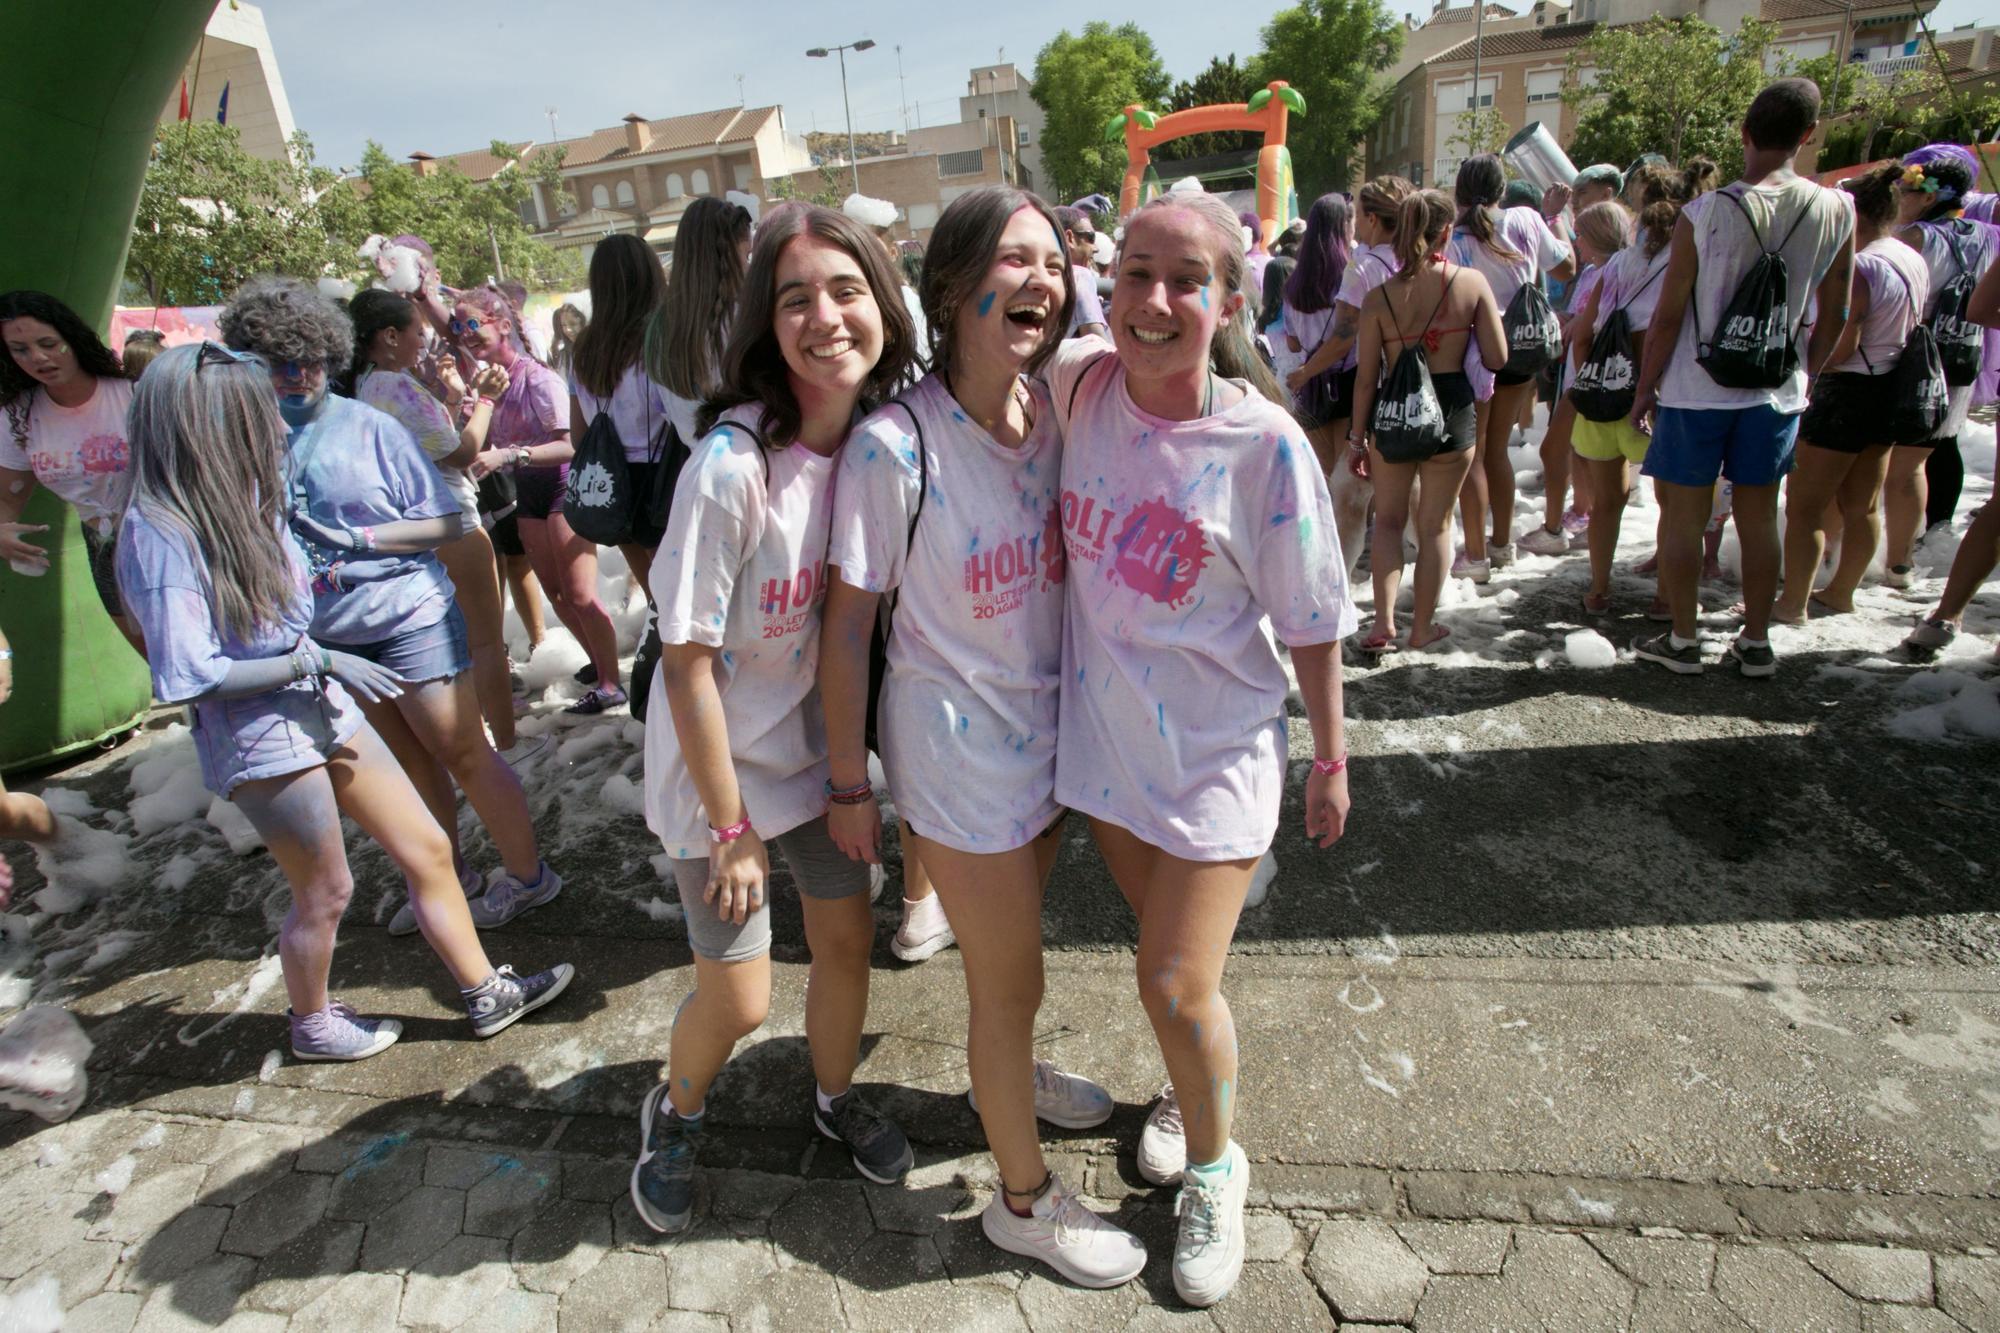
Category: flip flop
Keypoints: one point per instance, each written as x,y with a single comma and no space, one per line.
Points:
1596,605
1375,647
1443,633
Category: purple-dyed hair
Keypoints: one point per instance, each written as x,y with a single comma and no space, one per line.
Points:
1953,168
1323,255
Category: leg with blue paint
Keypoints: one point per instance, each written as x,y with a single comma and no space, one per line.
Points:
1187,914
995,903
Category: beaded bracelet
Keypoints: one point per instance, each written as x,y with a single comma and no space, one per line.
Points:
860,795
1328,767
730,834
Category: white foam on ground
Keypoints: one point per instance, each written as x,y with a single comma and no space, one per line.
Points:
35,1308
1588,648
244,994
661,910
116,1178
237,831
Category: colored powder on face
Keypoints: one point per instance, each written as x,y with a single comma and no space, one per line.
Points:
964,723
1204,296
986,303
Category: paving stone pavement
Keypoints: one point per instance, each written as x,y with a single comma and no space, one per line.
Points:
253,1226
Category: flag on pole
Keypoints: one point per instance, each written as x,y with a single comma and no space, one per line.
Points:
222,107
186,111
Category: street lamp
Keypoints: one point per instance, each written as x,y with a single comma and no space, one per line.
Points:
819,52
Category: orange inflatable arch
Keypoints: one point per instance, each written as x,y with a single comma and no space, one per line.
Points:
1265,113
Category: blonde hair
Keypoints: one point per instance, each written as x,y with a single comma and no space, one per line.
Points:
1607,227
1231,354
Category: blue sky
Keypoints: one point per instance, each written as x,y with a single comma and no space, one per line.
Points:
447,75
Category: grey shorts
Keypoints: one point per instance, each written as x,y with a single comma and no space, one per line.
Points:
820,869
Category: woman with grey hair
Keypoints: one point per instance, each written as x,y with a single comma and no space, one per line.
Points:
369,508
207,567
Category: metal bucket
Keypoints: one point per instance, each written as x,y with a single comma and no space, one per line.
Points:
1540,160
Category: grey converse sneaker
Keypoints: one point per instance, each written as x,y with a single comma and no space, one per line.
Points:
1069,1100
506,897
496,1003
1660,648
1754,660
880,1151
405,920
338,1033
663,1177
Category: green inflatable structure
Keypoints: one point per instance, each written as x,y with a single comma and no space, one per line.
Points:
78,109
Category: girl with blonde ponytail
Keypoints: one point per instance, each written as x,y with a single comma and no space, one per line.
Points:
1199,532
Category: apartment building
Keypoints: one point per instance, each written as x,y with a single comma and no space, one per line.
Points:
235,53
1522,61
926,169
994,92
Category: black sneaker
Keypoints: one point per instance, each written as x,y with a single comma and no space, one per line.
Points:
1756,661
587,674
881,1153
597,701
1660,648
504,998
663,1177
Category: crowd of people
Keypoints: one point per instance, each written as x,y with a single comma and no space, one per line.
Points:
1035,551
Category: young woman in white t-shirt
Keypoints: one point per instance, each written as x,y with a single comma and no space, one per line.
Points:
64,397
735,744
1199,535
1510,248
607,373
964,537
1845,435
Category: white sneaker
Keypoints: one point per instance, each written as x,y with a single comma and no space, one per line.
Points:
1543,542
1896,576
523,749
1208,1253
1479,571
1260,880
1066,1236
1068,1100
924,930
1163,1143
1499,555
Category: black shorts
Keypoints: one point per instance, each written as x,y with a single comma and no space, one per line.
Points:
506,535
540,490
1461,417
1506,379
643,533
1340,409
1849,412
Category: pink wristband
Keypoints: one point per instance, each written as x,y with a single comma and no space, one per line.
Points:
1328,767
730,834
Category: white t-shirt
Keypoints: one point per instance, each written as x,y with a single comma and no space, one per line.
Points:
1727,250
1629,279
638,407
742,568
80,453
1089,307
403,396
1898,291
1189,544
968,710
1522,231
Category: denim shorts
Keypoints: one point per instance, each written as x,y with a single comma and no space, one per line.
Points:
819,868
435,652
1751,446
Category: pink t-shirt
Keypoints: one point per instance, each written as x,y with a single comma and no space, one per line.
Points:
742,568
1899,285
1190,544
533,410
968,710
1631,280
80,453
1522,230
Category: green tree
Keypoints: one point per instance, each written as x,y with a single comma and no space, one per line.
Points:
1080,83
1483,130
829,185
1222,83
476,229
1868,116
211,216
1331,51
1672,86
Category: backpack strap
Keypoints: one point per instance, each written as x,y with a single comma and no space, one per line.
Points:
763,444
1641,289
923,469
1860,343
1088,366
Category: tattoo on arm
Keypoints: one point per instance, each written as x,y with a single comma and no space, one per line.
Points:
1344,326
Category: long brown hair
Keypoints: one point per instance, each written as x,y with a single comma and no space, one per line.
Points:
626,287
753,366
958,258
206,443
1481,181
1383,197
689,330
1422,223
1231,353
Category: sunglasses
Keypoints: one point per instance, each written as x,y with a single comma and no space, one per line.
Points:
214,353
461,327
1085,237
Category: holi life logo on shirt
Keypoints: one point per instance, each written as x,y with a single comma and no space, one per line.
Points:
97,456
999,579
787,604
1158,551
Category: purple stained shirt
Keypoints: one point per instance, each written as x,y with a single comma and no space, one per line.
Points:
165,583
357,467
533,410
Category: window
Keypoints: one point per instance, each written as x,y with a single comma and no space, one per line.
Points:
625,199
1587,77
1403,123
600,197
1457,96
1783,55
1447,169
741,174
675,189
698,182
1545,85
968,163
1021,136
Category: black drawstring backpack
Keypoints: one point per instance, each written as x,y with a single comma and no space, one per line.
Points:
1755,344
1916,386
1534,334
1960,342
1408,419
1605,385
598,499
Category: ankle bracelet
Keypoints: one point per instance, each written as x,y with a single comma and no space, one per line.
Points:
1048,1176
